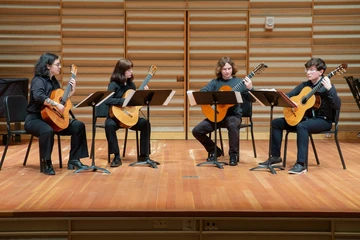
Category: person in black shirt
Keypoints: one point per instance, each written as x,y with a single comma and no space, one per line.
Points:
43,83
225,76
314,121
122,80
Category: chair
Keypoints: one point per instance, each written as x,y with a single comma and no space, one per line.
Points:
15,108
101,111
334,130
246,107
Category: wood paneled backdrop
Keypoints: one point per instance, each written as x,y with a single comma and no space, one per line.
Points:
184,39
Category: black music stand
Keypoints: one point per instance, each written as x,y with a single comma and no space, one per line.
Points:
273,99
148,97
94,99
354,85
215,98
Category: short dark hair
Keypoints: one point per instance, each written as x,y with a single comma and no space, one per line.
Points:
317,62
45,59
221,63
120,68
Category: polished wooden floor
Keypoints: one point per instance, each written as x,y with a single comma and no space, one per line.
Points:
179,186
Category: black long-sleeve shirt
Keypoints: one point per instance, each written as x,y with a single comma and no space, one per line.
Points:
119,90
216,84
40,90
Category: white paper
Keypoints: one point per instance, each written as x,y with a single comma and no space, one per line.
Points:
238,97
191,97
169,98
99,103
129,94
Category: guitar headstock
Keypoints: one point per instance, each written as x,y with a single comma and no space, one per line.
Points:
339,70
152,70
73,70
260,68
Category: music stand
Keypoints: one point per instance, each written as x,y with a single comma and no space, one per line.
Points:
215,98
354,85
273,99
93,100
148,97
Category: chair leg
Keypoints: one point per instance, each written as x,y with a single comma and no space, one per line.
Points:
221,143
59,149
137,144
28,150
340,152
314,148
285,148
125,141
253,140
5,150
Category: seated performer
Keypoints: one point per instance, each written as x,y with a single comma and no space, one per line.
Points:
225,76
313,121
122,80
42,85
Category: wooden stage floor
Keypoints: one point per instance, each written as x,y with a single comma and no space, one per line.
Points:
179,187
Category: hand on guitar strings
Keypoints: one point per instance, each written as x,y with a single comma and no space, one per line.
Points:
326,83
146,87
248,83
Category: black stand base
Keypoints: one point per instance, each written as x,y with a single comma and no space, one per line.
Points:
270,167
216,163
93,168
151,163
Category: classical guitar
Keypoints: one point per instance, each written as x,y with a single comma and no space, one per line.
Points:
128,116
59,121
306,99
209,110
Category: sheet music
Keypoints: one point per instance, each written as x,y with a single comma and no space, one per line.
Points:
238,97
129,94
169,98
99,103
191,97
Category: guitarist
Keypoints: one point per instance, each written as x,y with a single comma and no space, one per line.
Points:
43,83
314,122
225,71
121,80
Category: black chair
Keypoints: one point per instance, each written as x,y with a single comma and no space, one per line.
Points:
246,113
15,107
101,111
334,130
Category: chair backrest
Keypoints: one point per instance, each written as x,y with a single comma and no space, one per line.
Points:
15,108
101,111
246,107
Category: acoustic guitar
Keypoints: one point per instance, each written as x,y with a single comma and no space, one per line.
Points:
59,121
128,116
209,110
306,99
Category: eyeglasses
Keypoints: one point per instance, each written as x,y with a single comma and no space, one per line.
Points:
312,70
57,64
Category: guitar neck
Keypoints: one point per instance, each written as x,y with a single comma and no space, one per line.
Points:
241,83
315,89
67,91
145,82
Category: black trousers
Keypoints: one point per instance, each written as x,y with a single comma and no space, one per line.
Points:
35,125
232,123
142,125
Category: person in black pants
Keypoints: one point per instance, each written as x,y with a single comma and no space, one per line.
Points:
43,83
225,76
122,80
313,121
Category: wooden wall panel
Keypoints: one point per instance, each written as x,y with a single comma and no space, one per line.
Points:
93,39
158,38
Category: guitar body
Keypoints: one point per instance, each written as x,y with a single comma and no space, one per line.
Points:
49,114
294,115
209,110
125,116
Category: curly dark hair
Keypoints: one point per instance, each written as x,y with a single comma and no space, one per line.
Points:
221,63
45,59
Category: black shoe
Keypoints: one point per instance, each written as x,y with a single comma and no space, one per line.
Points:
233,160
48,168
116,162
75,163
273,160
297,169
211,157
